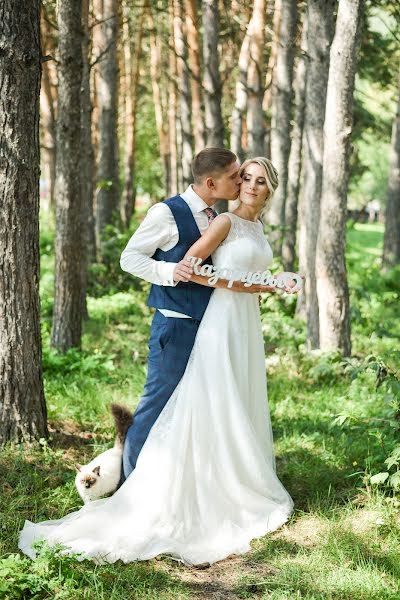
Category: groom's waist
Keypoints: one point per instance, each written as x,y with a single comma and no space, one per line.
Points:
189,299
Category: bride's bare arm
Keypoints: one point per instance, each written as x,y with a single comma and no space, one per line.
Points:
205,246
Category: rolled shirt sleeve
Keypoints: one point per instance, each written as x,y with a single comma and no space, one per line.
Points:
157,230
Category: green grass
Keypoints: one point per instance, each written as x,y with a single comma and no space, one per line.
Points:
334,425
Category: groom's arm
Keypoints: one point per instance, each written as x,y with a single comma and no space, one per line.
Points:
157,230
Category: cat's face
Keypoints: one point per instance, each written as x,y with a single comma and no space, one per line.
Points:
89,478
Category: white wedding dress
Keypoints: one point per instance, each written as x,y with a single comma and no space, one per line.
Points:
205,482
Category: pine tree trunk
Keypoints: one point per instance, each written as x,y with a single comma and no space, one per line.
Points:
319,37
332,288
22,404
195,67
70,226
155,70
184,95
281,116
255,86
294,168
391,246
212,82
172,109
87,146
240,106
132,54
48,99
107,196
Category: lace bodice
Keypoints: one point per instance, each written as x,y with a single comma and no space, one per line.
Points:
245,246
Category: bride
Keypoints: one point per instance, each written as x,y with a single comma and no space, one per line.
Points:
205,483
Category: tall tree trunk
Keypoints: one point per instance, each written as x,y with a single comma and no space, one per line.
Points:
155,70
391,246
70,226
132,54
184,95
22,404
319,37
255,87
240,106
212,81
294,169
276,24
48,100
281,115
107,175
172,109
87,146
195,67
332,289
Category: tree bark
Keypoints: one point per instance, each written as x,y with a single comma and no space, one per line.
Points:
391,245
332,288
87,146
294,168
195,80
155,70
48,101
184,95
172,110
240,106
70,226
319,37
22,403
132,54
212,81
107,175
255,87
281,110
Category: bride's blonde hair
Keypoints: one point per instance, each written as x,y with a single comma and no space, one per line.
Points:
271,177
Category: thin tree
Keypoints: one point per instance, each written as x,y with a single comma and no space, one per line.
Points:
281,109
48,102
184,94
161,124
107,69
212,81
87,145
193,43
319,38
332,288
22,404
391,246
240,106
132,49
255,86
294,167
172,108
70,226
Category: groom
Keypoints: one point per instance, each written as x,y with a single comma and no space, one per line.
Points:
156,253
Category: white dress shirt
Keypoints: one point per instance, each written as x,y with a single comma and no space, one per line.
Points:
159,230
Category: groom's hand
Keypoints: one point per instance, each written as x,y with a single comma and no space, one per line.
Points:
183,271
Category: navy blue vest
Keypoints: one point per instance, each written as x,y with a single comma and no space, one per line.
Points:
186,297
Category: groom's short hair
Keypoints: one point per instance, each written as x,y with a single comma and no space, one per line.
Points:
211,161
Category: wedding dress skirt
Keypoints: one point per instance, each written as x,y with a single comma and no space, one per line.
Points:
205,483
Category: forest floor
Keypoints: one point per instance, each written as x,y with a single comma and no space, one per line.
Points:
334,425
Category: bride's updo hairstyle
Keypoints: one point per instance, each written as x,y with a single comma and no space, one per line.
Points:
271,175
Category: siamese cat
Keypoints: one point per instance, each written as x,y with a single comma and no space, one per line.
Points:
101,476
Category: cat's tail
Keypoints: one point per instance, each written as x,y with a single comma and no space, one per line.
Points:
123,419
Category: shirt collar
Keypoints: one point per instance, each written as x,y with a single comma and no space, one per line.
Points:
194,201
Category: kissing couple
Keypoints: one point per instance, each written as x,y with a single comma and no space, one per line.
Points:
199,479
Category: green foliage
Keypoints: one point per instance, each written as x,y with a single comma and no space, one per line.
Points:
107,277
